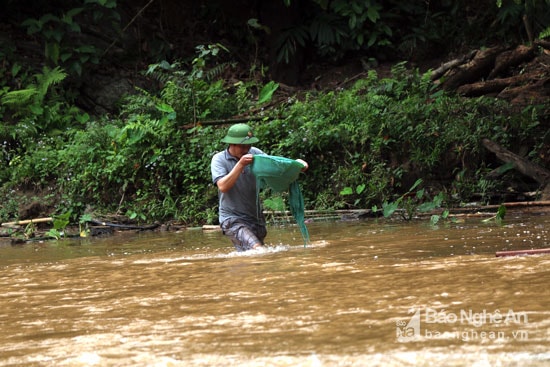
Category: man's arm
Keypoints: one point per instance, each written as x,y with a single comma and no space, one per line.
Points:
228,181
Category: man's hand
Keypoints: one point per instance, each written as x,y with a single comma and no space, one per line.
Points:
246,160
304,163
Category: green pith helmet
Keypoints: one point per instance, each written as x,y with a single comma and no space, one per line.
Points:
240,134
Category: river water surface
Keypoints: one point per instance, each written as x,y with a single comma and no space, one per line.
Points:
373,293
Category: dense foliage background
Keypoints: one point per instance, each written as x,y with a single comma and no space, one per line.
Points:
198,66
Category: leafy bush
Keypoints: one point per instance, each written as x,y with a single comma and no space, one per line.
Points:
366,146
372,141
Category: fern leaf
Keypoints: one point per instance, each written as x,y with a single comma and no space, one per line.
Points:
216,71
19,97
48,78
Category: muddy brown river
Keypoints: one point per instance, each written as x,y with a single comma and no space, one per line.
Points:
369,293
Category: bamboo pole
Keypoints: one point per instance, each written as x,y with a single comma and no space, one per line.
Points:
27,221
474,211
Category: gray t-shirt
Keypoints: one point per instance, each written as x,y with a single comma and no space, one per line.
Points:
241,201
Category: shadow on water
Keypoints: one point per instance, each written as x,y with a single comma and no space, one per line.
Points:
362,293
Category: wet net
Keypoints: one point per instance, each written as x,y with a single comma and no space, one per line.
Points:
281,175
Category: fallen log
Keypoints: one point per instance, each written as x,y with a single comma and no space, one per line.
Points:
521,204
125,226
493,86
523,252
479,67
440,71
539,174
487,210
511,58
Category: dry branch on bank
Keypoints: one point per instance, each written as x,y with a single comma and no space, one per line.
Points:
523,165
493,86
539,174
511,58
27,221
477,211
479,67
445,67
125,226
520,75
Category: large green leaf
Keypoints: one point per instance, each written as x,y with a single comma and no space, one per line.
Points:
267,92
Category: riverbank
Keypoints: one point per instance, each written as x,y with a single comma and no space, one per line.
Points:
36,230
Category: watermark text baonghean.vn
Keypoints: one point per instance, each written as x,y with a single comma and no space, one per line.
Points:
464,325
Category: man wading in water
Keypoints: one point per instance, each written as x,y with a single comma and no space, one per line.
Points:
240,213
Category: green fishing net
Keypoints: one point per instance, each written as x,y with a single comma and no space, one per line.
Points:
281,174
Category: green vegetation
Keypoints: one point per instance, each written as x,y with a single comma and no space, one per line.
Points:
336,28
368,144
59,34
373,140
364,144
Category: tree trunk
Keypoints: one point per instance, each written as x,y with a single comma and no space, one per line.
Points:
539,174
508,59
478,68
493,86
440,71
